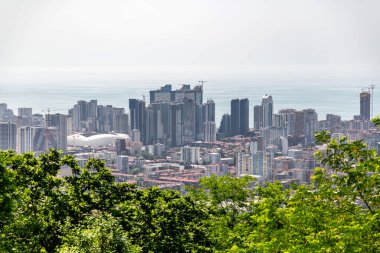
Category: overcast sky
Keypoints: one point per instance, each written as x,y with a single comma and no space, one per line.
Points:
175,33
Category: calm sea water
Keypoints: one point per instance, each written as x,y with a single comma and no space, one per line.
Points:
330,94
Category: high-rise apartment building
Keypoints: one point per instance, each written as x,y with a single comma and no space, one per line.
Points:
190,154
209,111
267,105
137,113
59,121
310,126
26,116
24,139
8,134
257,117
166,94
209,131
244,116
365,105
239,116
225,125
235,117
120,123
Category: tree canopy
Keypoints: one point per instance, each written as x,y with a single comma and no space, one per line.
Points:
89,212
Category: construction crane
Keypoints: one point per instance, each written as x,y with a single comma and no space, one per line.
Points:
201,82
47,124
372,87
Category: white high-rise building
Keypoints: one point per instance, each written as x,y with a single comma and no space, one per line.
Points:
122,163
24,139
267,110
135,136
209,131
190,154
244,164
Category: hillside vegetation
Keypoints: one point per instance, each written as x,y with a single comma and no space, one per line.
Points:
90,212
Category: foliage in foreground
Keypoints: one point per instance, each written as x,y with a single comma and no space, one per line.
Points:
89,212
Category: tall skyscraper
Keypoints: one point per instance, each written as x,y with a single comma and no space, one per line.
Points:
24,139
235,117
257,117
161,95
120,123
365,105
38,139
244,116
149,126
310,126
209,111
26,116
161,123
8,134
137,116
59,121
225,125
290,120
176,124
239,116
209,131
166,94
267,104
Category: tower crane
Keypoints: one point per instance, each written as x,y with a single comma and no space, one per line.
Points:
372,87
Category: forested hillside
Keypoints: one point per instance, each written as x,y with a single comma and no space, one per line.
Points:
89,212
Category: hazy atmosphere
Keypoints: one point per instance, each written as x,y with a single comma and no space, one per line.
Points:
210,37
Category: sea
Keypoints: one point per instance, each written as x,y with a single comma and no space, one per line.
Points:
335,93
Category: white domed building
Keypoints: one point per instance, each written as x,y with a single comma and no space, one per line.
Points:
94,140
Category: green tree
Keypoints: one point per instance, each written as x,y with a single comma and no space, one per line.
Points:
96,233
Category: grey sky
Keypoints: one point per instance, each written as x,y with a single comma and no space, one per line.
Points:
174,33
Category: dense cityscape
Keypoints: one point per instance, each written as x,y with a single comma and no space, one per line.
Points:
173,140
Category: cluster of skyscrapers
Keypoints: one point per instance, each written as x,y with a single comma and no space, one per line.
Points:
173,118
32,132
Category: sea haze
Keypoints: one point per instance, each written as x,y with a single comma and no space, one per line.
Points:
327,92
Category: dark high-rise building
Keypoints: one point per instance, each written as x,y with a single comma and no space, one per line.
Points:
161,123
138,116
177,117
149,126
239,116
176,124
8,134
225,125
257,117
365,105
235,117
58,121
244,116
121,146
189,122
